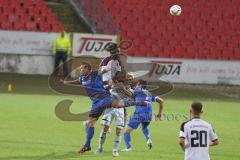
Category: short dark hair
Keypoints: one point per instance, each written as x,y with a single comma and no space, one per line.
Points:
197,107
143,83
119,76
89,67
112,48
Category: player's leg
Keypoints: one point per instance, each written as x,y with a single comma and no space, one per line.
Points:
117,142
94,114
146,133
90,132
133,124
119,118
102,138
127,139
106,121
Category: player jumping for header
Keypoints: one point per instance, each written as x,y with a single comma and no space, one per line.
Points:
101,99
118,91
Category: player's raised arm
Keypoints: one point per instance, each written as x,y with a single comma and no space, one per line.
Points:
104,69
124,90
73,82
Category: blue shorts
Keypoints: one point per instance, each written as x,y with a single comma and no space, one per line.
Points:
99,106
144,119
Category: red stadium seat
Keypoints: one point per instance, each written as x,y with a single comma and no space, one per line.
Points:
196,31
34,13
6,26
19,26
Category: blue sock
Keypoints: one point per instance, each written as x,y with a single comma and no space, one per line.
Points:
90,133
146,133
127,139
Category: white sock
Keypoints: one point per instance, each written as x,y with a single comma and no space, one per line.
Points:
102,138
117,142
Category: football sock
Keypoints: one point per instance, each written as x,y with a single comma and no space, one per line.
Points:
117,142
146,133
127,139
102,138
90,133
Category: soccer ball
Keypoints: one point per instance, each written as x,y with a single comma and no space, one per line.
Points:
175,10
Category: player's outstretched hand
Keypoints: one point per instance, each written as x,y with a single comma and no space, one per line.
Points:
120,85
158,117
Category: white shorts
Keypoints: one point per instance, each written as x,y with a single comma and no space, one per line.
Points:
113,113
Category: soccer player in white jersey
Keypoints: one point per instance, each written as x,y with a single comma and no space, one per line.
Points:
119,92
196,135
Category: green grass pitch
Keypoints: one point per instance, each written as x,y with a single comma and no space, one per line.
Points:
29,129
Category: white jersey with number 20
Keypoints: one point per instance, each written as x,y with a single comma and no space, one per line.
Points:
197,133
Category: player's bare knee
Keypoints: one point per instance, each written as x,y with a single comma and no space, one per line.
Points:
91,122
105,128
118,131
128,130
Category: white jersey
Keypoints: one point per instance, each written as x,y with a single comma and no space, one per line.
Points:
197,133
116,114
115,66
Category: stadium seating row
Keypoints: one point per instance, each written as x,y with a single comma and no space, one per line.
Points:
30,15
197,33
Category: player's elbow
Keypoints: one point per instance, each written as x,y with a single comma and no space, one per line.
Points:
216,142
181,142
160,101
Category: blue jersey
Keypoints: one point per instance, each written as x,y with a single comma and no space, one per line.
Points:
141,95
93,85
142,115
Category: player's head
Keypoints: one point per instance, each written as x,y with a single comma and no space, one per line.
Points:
119,77
142,84
196,108
85,68
129,78
112,48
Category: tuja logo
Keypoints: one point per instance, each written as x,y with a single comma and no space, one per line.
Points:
170,68
100,44
94,44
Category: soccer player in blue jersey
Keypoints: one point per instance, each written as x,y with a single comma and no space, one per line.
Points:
101,99
142,115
